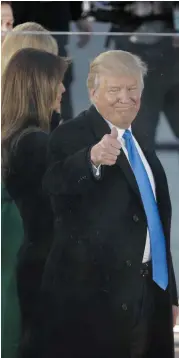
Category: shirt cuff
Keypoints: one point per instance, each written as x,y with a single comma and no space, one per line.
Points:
96,170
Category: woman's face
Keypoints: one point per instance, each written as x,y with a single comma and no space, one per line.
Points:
7,20
57,105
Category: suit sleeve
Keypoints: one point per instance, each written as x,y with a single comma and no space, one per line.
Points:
174,293
30,161
168,214
72,175
70,170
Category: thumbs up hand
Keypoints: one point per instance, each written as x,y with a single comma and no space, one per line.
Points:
107,150
114,133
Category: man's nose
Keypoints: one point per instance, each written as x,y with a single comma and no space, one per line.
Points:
123,96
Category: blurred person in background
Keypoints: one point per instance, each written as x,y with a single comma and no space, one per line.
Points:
56,17
15,41
161,53
31,91
41,40
7,19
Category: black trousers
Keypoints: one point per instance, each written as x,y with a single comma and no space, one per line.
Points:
143,310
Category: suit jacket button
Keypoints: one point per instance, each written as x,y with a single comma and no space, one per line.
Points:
128,263
135,218
124,307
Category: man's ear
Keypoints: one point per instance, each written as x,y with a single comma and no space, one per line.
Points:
93,94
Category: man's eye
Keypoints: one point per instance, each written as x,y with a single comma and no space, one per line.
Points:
114,90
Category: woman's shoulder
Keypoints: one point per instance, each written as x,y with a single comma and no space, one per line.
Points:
29,146
30,139
31,135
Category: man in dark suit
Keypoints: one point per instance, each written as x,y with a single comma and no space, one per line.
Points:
109,288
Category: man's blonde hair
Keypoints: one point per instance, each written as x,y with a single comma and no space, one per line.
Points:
22,36
115,62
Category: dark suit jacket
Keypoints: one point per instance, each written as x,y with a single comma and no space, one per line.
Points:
93,272
27,165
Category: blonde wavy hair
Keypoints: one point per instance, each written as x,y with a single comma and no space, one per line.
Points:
115,62
26,35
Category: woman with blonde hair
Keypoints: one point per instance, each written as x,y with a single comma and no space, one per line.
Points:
29,34
26,35
31,90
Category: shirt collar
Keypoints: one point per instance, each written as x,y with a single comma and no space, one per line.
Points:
120,131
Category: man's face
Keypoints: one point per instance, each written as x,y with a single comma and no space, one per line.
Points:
7,20
118,99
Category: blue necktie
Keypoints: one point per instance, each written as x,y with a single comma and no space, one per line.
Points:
157,239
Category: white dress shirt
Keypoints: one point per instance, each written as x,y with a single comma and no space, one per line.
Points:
147,251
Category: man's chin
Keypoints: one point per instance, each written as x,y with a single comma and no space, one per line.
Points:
124,122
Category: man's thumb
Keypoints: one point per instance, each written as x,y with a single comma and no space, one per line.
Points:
114,133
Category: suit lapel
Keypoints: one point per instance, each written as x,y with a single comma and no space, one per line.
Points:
151,159
124,165
157,174
98,124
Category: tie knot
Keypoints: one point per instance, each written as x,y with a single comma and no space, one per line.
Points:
127,134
